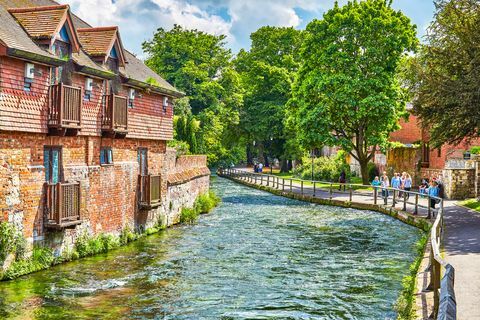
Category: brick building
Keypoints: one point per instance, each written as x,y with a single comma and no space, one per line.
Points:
84,127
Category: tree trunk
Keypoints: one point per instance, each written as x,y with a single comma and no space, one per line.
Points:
249,155
284,166
289,165
364,171
261,156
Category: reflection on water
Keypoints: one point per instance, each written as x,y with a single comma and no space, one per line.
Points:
257,256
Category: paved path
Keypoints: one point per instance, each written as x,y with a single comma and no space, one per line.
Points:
461,241
462,251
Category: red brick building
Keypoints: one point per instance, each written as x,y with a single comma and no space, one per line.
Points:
84,127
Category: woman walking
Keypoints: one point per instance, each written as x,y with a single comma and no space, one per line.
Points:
407,185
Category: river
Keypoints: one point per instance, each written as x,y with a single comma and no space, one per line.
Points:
256,256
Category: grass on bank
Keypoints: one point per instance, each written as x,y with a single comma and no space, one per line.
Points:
289,175
473,204
12,242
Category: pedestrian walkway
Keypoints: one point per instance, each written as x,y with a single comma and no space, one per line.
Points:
462,251
461,239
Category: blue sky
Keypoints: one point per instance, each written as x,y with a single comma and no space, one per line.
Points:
138,19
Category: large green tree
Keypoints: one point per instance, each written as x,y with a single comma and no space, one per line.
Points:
267,72
447,86
199,64
347,93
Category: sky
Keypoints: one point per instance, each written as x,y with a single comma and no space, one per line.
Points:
237,19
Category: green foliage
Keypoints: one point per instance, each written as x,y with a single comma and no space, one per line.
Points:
186,130
203,204
181,147
11,242
41,258
199,64
324,168
153,82
346,92
406,300
447,76
475,150
87,246
127,235
267,72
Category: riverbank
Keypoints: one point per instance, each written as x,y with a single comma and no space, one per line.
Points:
412,302
256,255
17,262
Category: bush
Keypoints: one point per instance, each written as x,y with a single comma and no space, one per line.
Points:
41,258
188,215
203,204
324,168
11,242
475,150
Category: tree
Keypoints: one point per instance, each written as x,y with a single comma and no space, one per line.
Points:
199,64
346,93
447,87
267,71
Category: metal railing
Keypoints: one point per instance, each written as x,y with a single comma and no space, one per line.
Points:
444,306
63,204
115,116
65,106
150,190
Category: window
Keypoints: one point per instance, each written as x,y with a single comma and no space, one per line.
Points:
27,86
52,160
88,89
106,155
29,76
143,161
165,104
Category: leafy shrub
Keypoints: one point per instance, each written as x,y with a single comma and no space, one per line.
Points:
475,150
188,215
127,235
324,168
11,242
41,258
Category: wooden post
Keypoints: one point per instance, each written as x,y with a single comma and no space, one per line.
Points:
268,180
394,197
416,204
283,184
375,194
314,184
351,192
405,200
301,186
429,215
331,191
291,185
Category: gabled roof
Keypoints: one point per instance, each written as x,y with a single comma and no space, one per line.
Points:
99,42
45,22
18,44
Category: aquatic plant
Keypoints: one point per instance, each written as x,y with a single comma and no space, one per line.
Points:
41,258
203,204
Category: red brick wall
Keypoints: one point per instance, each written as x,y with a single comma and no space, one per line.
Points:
410,131
27,111
109,192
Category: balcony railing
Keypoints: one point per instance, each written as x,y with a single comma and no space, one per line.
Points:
63,204
150,191
115,116
65,107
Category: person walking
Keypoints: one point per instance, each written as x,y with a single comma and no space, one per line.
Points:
433,192
407,185
396,182
385,183
260,167
342,179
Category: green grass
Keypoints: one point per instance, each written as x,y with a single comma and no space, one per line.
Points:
471,203
289,175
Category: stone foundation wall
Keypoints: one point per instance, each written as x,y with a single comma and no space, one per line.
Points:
459,183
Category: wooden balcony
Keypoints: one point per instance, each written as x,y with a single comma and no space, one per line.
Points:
62,204
149,191
65,107
115,115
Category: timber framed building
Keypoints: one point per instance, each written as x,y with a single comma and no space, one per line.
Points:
84,127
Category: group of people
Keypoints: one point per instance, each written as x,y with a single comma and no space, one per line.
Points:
432,187
258,167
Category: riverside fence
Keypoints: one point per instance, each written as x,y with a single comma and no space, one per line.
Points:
441,273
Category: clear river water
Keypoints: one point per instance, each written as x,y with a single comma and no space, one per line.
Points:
256,256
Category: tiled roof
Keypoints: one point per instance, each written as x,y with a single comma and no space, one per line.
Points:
97,41
40,22
13,36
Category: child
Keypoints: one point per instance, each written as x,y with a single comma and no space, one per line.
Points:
433,192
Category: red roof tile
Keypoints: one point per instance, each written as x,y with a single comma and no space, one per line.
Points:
40,22
97,41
